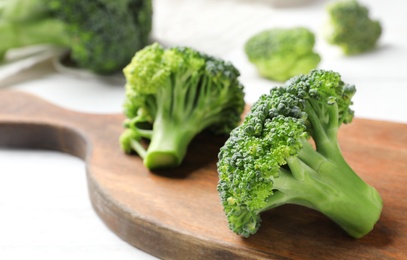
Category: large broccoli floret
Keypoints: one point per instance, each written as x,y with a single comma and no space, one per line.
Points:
280,54
179,92
269,160
102,35
350,27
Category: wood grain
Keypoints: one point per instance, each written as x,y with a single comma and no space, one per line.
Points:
177,214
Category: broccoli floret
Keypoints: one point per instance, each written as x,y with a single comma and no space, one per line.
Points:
280,54
350,27
174,94
270,160
102,35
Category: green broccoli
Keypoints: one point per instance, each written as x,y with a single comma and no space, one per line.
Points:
269,160
101,35
350,27
280,54
174,94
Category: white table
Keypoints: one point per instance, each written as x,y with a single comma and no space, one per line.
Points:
45,209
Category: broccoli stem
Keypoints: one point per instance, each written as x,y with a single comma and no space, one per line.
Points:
169,143
330,186
178,120
138,147
22,10
357,208
17,35
325,125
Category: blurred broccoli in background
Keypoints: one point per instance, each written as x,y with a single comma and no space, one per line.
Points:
350,27
102,35
280,54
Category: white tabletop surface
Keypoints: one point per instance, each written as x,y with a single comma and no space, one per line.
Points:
45,209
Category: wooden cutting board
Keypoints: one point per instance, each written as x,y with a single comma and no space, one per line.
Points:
177,214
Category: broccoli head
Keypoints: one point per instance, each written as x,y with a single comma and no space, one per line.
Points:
280,54
269,160
101,35
174,94
350,27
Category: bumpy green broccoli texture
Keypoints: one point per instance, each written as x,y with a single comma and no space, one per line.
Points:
269,160
350,27
174,94
102,35
282,53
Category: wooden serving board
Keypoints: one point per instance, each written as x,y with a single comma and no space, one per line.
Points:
177,214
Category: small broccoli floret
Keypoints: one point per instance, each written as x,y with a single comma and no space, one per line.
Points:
280,54
101,35
350,27
269,160
174,94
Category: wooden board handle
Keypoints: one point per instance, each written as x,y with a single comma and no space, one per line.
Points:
27,121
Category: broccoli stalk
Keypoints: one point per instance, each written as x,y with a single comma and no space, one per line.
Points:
46,31
171,96
101,36
268,161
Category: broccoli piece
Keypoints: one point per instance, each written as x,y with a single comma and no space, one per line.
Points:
350,27
101,35
269,160
280,54
174,94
